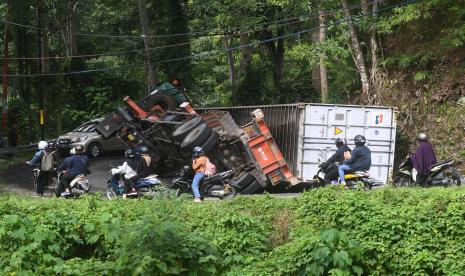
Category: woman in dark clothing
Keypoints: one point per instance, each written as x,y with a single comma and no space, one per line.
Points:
330,166
423,159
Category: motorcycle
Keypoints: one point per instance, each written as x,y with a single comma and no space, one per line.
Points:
145,187
78,186
211,186
442,174
354,180
51,185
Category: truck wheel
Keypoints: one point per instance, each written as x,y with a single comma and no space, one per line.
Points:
163,99
211,142
183,130
196,137
243,181
252,188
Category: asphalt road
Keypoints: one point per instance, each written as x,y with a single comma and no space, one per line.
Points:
100,171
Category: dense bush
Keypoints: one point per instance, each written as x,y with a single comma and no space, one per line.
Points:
325,231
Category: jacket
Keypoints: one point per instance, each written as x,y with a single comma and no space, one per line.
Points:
75,165
199,164
126,169
337,157
360,159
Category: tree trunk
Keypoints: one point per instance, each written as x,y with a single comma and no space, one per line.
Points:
232,70
151,70
71,26
45,39
323,72
246,53
374,46
359,58
276,56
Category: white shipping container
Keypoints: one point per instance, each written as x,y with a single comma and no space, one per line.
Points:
306,132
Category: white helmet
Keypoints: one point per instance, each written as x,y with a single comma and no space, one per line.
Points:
42,145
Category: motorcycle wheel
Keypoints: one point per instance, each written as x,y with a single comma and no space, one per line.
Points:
453,178
401,181
232,192
110,192
54,185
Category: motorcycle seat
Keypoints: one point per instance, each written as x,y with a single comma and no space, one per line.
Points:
440,163
215,177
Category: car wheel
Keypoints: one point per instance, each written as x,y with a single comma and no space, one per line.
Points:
183,130
94,150
196,137
211,142
163,99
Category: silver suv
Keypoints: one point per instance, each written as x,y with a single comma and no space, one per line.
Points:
86,136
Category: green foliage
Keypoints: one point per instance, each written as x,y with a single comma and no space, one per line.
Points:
332,232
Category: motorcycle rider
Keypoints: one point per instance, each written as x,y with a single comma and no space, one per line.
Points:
330,167
73,166
359,161
129,169
199,163
143,166
46,166
423,158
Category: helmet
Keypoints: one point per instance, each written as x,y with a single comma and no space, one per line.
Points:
78,149
142,150
340,142
42,145
360,140
198,151
422,136
129,153
72,151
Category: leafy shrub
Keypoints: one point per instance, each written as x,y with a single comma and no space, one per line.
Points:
324,231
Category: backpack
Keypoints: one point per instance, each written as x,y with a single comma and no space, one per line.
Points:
47,163
210,169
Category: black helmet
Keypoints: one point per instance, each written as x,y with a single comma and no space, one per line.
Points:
143,150
129,153
198,151
340,142
360,140
422,137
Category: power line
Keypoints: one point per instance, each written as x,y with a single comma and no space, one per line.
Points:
327,12
214,32
217,52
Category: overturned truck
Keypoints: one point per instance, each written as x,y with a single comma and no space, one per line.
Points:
167,123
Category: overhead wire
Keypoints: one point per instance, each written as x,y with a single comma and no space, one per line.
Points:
326,12
214,32
217,52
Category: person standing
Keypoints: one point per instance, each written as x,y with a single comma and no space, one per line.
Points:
45,160
423,158
199,163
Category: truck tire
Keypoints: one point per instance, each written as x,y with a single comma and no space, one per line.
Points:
253,188
183,130
163,99
243,181
196,137
211,142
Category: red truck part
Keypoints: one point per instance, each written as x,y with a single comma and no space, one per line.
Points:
266,153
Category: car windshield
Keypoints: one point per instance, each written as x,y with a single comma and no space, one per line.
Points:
88,127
